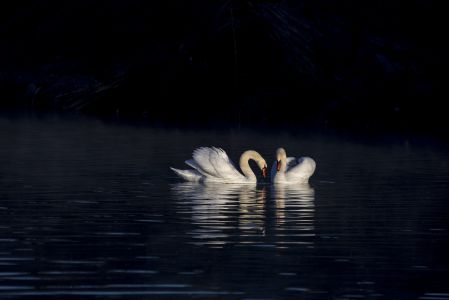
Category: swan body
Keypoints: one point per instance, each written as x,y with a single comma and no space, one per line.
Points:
290,169
211,164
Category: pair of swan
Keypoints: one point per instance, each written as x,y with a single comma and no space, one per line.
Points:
211,164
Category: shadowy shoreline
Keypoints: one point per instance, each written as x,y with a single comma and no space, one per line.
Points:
349,66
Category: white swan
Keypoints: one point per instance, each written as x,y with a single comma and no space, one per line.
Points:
211,164
290,169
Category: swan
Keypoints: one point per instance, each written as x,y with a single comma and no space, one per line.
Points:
211,164
290,169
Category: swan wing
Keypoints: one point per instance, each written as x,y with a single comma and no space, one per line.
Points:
291,162
215,163
189,175
194,165
201,159
300,172
223,165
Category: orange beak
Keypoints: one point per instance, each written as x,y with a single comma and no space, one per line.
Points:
264,172
278,165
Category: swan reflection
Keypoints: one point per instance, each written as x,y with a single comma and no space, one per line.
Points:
218,210
221,214
294,213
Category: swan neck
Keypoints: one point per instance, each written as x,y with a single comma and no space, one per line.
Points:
244,163
283,160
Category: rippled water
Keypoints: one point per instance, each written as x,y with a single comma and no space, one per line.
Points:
91,210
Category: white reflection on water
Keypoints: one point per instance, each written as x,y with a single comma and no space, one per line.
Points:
294,214
246,214
297,199
215,210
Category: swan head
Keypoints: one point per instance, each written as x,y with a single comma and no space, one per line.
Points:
263,166
280,155
253,155
264,171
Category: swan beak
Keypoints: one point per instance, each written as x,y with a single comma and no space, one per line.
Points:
278,165
264,172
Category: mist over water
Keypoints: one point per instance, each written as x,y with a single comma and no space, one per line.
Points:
92,210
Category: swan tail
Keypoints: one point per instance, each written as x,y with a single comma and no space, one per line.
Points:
189,175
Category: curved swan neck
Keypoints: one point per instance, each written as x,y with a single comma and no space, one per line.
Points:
244,163
283,160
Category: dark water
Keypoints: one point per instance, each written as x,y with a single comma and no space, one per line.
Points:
92,210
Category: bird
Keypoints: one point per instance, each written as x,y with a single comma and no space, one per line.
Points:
212,164
290,169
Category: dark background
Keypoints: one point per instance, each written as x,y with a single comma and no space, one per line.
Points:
354,65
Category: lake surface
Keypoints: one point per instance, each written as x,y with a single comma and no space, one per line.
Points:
91,210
